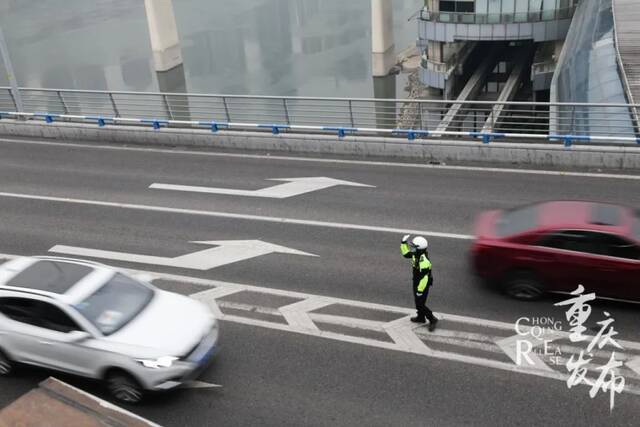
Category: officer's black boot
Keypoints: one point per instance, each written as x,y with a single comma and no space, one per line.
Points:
418,319
432,324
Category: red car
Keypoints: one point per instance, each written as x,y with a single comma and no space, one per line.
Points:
556,246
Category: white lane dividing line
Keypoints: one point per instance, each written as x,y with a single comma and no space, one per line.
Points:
330,161
277,220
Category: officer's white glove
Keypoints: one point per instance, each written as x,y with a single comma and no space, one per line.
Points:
418,294
405,238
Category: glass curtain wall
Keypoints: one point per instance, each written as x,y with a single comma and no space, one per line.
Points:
499,11
588,71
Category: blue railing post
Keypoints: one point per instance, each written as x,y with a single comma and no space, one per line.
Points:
487,137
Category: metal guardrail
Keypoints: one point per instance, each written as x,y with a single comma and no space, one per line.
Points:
383,117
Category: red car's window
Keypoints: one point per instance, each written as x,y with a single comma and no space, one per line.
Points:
576,241
517,221
590,242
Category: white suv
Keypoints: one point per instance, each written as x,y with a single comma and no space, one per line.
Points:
91,320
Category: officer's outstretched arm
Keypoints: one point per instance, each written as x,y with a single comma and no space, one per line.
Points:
405,250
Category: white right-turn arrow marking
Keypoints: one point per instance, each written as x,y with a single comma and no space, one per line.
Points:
292,187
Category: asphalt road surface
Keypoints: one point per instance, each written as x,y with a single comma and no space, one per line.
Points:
87,196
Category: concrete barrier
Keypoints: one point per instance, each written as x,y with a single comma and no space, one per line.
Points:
57,404
427,150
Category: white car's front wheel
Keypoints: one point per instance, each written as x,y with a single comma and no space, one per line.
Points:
124,387
6,366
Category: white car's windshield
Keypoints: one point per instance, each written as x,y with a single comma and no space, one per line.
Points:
114,305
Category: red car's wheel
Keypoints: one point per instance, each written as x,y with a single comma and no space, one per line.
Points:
523,285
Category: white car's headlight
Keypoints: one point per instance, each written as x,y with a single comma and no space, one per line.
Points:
160,362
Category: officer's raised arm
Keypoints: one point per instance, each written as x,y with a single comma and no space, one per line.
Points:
405,249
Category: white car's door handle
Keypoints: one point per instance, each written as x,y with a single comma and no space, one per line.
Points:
45,342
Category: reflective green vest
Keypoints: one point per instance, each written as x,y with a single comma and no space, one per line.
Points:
421,265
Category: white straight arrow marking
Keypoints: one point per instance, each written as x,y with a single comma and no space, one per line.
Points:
226,252
292,187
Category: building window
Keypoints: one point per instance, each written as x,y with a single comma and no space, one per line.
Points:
457,6
465,7
447,6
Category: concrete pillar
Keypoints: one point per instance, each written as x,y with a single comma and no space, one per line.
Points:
382,44
385,88
167,57
163,33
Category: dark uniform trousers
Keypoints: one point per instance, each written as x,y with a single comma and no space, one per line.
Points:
421,301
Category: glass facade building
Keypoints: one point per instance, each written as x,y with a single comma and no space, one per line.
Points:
588,71
497,11
446,27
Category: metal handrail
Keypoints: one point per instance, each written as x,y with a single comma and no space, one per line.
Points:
392,117
311,98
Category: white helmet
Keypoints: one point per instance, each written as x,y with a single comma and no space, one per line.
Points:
420,243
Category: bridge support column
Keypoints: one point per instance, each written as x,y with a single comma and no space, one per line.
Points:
167,56
382,44
163,33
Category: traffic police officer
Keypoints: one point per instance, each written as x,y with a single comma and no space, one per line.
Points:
416,250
